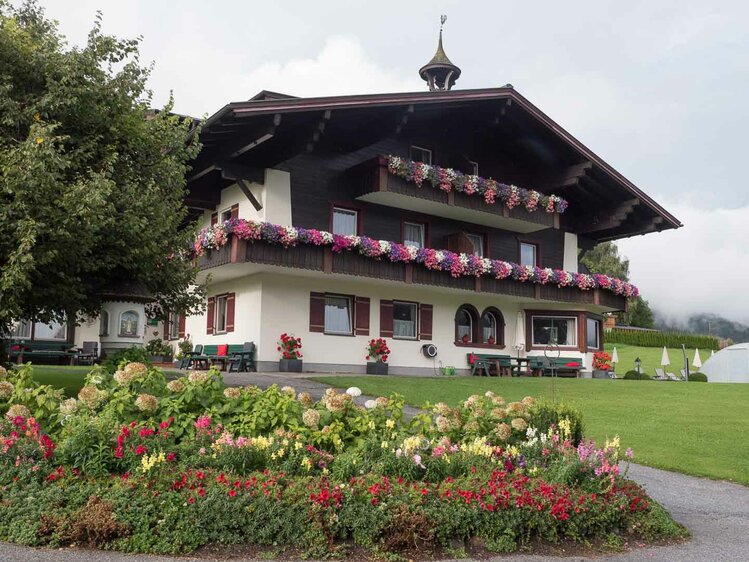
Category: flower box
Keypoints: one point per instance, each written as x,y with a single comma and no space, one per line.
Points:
600,374
377,368
290,365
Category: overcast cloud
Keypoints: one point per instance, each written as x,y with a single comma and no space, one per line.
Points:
658,89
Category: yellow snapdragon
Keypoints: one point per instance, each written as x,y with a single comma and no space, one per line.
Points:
149,461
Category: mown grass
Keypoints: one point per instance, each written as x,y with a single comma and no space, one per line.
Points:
694,428
69,378
651,358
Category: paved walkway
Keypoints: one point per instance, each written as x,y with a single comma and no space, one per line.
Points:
716,513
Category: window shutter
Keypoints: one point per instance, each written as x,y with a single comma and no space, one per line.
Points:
426,314
235,211
459,243
361,310
182,326
230,312
386,319
210,313
317,312
214,218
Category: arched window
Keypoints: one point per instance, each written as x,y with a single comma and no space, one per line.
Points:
129,324
466,325
104,323
492,327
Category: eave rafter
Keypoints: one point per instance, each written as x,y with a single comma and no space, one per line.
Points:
319,130
613,219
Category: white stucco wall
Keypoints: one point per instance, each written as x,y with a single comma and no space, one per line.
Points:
114,340
86,331
570,252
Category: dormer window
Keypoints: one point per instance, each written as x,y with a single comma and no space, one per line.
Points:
421,154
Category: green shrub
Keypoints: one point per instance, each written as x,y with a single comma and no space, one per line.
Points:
644,338
130,355
697,377
544,413
634,376
159,347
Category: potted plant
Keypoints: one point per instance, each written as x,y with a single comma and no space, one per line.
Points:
160,351
184,348
601,365
377,356
291,354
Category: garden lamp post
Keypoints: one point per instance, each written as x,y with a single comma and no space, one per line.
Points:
638,363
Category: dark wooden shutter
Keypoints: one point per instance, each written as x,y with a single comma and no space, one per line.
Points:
459,243
426,314
214,218
230,312
235,211
317,312
361,311
386,319
182,326
210,313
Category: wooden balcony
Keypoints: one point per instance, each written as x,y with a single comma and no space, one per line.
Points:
376,185
323,260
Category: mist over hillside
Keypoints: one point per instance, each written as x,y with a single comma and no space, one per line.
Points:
705,323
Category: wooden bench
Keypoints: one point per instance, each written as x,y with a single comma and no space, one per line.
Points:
540,365
483,363
28,351
235,354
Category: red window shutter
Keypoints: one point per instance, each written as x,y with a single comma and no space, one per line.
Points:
235,211
214,218
386,319
182,326
426,314
230,312
361,311
210,313
317,312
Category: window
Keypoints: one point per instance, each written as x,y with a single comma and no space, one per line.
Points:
129,324
345,221
478,244
174,319
21,329
528,254
220,314
51,331
338,315
104,324
555,330
473,167
404,320
225,215
466,320
414,234
420,154
592,327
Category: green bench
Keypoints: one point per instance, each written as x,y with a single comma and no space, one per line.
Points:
563,366
489,364
28,351
239,357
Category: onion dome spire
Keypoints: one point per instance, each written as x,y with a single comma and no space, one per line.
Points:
440,73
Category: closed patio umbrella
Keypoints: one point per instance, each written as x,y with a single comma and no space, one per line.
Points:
614,358
665,361
697,363
519,343
712,353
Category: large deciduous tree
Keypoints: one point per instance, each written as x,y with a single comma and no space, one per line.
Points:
92,180
604,258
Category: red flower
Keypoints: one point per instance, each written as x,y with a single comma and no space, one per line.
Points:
232,493
140,450
170,457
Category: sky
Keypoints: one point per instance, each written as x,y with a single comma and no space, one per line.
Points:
657,89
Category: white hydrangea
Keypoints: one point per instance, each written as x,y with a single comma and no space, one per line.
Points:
354,391
370,404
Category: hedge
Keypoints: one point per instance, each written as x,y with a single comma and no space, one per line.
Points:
644,338
635,376
697,377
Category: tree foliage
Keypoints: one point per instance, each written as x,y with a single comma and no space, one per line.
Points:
92,180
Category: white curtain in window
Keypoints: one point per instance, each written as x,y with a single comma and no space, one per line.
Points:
344,222
464,325
413,234
478,244
22,329
489,327
337,315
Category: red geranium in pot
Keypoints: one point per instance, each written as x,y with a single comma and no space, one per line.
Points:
291,354
377,356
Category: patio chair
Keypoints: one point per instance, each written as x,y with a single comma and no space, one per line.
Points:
243,361
659,375
672,377
191,356
87,354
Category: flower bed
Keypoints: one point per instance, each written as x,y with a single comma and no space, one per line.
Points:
209,464
448,179
458,265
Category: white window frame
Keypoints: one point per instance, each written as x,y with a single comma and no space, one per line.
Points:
535,253
122,334
480,251
21,335
575,319
349,212
597,332
349,308
470,326
224,215
422,227
495,325
220,313
415,308
426,151
174,318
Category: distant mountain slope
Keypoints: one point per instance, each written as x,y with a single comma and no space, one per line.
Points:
706,323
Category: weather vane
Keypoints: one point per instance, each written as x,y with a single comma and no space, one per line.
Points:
443,19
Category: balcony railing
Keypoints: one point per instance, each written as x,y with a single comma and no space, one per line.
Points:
322,259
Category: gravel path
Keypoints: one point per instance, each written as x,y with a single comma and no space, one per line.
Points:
716,513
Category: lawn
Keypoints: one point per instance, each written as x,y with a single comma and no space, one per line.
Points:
70,379
651,358
695,428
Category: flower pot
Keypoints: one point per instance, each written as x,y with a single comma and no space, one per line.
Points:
377,368
157,358
600,374
290,365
